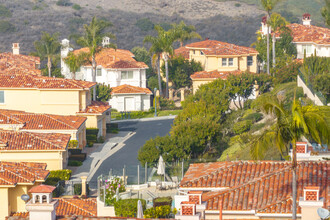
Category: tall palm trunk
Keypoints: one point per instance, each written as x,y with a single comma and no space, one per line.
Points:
159,78
49,65
73,75
274,52
294,181
268,72
94,76
166,70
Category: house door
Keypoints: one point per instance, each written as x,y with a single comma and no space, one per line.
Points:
129,104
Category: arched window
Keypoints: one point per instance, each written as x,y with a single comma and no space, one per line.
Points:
44,199
37,199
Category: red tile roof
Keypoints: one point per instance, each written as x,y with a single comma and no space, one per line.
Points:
33,121
213,47
115,59
26,64
265,186
125,89
21,141
215,74
19,80
42,189
182,51
96,107
12,173
309,33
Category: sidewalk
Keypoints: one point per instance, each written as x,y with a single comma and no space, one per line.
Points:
96,157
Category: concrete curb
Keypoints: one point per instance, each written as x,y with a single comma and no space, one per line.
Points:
145,119
114,149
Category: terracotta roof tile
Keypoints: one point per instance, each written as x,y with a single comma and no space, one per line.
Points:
183,51
12,173
19,80
114,59
20,141
33,121
213,47
264,186
309,33
124,89
26,64
42,189
96,107
215,74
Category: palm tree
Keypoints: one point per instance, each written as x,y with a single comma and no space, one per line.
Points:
74,62
184,32
268,5
290,126
326,12
92,38
277,23
48,47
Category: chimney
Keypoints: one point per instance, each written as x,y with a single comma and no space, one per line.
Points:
42,205
306,19
310,203
301,147
105,41
16,48
264,26
188,212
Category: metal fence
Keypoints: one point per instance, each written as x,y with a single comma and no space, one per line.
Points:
69,188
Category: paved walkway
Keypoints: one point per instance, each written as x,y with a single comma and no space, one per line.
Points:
95,158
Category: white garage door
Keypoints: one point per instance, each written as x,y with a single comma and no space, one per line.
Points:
129,104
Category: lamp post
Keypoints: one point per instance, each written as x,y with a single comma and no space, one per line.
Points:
155,91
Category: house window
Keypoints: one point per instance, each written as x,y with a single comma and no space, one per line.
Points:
307,48
249,60
2,97
202,53
98,72
126,74
224,61
193,51
231,62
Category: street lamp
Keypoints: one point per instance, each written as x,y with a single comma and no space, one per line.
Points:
155,91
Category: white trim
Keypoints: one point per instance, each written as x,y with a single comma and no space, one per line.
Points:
203,188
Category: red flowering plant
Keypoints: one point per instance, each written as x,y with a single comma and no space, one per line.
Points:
113,185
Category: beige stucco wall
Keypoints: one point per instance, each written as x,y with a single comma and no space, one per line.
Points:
92,122
4,207
56,160
197,83
62,102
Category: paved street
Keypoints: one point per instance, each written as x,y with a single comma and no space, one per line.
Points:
127,155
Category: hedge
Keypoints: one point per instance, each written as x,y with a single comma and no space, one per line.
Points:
74,151
78,157
91,137
128,207
73,144
94,131
61,174
242,126
162,201
74,163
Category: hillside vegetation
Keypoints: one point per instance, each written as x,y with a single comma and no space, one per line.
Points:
23,20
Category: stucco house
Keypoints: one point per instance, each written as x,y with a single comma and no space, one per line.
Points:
45,123
253,190
40,94
115,67
219,59
306,37
49,148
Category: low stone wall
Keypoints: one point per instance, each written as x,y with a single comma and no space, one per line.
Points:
308,92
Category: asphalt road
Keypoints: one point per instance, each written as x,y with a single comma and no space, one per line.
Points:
127,155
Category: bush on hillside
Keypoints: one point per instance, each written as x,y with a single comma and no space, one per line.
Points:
4,11
63,3
7,27
76,7
145,24
254,117
242,126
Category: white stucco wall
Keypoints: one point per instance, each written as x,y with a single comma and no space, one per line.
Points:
142,102
321,50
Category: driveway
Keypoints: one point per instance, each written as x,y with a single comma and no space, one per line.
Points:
127,154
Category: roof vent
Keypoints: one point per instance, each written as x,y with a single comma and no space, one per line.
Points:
12,77
28,84
43,80
62,85
29,145
40,126
73,121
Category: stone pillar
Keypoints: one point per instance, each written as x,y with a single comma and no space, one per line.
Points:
182,95
83,185
170,94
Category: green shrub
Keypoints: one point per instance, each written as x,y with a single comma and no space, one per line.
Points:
74,163
94,131
4,11
90,143
100,140
91,137
145,24
112,128
63,3
254,117
52,181
74,151
78,157
237,5
73,144
77,188
159,212
162,201
242,126
257,127
166,103
6,26
61,174
128,207
76,7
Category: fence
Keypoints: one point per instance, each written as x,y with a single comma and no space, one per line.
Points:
68,188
